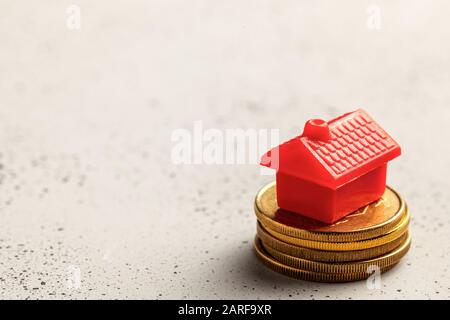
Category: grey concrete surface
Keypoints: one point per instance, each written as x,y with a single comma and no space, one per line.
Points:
91,205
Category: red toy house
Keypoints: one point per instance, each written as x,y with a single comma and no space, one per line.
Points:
334,167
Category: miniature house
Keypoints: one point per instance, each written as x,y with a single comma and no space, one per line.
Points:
333,168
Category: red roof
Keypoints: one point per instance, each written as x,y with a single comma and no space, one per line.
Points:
334,152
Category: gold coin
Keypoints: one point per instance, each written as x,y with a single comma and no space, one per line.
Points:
327,256
342,267
309,275
396,233
371,221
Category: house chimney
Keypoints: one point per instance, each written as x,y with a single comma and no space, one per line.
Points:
317,129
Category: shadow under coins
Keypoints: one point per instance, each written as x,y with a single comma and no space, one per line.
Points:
259,281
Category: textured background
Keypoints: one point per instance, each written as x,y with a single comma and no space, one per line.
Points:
86,116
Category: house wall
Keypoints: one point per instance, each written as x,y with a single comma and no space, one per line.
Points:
311,199
329,205
360,191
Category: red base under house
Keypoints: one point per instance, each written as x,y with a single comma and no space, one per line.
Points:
334,167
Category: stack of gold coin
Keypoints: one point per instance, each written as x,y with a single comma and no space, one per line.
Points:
373,238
